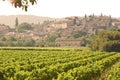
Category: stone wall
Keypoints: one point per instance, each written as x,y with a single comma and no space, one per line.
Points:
68,42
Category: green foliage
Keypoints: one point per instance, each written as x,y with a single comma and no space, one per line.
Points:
3,39
12,38
77,34
113,73
116,30
40,43
21,75
13,41
24,26
50,40
111,46
56,64
107,41
10,43
90,71
29,42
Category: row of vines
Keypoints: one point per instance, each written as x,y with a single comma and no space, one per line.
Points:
58,65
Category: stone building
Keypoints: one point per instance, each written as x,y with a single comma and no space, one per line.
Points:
116,25
67,22
59,25
4,28
69,42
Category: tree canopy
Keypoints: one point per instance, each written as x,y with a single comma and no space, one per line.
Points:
24,4
24,26
108,40
77,34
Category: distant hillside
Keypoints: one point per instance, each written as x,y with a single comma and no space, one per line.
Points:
10,20
58,32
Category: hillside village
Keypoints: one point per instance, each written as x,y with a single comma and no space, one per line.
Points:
70,31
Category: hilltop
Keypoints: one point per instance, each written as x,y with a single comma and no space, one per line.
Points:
10,20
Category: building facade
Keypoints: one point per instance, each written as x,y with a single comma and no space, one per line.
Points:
69,42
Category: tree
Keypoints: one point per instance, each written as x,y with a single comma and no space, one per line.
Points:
16,22
85,16
50,40
77,34
101,15
12,38
24,4
41,43
108,40
29,42
24,26
3,39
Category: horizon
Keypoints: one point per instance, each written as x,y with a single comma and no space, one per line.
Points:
55,17
62,9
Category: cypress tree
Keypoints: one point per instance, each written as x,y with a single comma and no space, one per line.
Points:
16,22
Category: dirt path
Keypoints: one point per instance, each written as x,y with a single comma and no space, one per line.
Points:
106,72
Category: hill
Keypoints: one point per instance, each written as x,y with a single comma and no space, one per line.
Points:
55,32
10,20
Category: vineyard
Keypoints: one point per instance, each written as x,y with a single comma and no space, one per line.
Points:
58,64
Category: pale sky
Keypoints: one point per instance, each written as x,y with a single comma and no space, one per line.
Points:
64,8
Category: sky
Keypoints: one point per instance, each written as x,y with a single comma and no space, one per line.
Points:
65,8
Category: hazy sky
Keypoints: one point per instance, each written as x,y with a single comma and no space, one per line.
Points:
63,8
